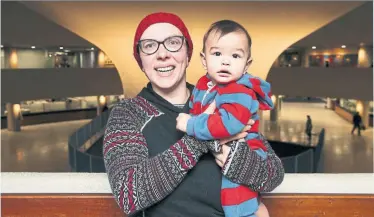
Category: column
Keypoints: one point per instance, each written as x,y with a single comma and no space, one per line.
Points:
14,117
10,58
365,56
101,103
329,103
100,59
305,58
275,111
362,107
261,127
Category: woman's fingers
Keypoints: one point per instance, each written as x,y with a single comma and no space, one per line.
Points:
246,128
251,122
211,108
220,164
233,138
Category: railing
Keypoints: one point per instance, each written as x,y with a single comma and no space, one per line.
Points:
304,161
81,140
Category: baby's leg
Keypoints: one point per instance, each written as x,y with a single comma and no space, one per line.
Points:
262,211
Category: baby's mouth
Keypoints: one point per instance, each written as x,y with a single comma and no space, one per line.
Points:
224,72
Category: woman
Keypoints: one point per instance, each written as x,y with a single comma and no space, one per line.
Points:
155,170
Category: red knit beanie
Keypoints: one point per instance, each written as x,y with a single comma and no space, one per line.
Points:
161,17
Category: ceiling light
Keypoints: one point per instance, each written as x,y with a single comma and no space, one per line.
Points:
92,48
314,47
61,48
32,47
2,46
343,46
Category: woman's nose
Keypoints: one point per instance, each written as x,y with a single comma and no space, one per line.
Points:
162,53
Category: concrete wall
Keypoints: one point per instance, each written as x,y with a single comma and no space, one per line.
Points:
28,84
349,83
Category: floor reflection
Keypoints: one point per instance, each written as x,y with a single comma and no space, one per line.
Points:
38,148
342,153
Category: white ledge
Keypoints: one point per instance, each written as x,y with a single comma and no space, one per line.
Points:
19,183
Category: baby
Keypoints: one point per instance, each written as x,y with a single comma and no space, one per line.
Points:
238,96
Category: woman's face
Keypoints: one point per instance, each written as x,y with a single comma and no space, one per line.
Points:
164,69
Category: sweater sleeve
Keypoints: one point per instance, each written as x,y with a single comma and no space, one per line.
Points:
234,112
137,181
244,166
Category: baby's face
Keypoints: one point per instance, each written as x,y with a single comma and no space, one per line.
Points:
226,58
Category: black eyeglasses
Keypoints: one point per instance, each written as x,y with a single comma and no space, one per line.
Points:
150,46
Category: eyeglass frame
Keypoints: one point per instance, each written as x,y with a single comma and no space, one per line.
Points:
161,42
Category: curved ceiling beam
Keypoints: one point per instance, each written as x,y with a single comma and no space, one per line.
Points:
273,26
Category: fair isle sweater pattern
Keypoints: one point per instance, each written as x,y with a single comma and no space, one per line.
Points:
138,182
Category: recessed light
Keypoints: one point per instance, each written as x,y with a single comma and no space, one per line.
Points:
61,48
2,46
92,48
343,46
32,47
314,47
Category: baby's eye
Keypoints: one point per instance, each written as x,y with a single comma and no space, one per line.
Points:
217,53
236,56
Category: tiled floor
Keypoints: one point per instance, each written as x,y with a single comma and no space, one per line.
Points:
43,148
342,153
38,148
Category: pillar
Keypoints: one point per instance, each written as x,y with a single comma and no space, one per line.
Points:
305,58
365,56
10,58
14,117
100,59
275,111
329,103
362,107
101,103
261,127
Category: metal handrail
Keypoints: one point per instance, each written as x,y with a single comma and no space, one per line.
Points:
81,140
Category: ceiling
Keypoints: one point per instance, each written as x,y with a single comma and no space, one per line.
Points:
351,29
23,28
31,28
273,26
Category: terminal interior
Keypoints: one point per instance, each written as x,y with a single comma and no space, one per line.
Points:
58,81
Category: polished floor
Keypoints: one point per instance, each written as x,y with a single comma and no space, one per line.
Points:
43,148
342,152
38,148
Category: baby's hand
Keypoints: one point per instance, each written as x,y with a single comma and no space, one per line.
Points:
182,120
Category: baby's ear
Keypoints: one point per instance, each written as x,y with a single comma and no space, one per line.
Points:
203,60
249,62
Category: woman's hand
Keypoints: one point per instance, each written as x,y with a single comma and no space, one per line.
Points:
222,156
182,121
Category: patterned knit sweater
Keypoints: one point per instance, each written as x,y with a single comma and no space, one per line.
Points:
139,181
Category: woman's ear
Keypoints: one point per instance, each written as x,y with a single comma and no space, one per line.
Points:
203,60
249,62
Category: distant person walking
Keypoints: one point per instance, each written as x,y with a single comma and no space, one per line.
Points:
357,121
308,128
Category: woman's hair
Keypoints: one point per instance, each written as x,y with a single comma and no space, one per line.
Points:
224,27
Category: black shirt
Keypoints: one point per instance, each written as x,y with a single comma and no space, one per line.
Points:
199,193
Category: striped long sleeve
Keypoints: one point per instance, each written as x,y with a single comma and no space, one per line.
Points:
236,105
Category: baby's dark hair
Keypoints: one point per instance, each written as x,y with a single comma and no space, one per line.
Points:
224,27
